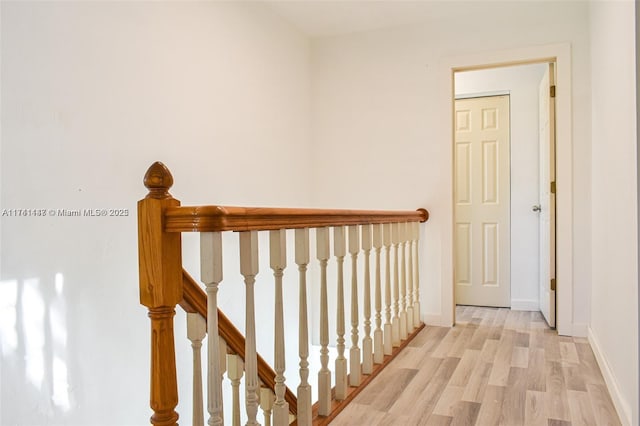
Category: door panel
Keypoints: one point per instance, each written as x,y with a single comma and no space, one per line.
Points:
463,253
547,210
490,254
482,266
463,173
490,172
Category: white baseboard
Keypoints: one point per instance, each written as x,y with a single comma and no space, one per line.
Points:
622,407
525,305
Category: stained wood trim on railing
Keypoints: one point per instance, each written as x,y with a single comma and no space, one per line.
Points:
195,300
226,218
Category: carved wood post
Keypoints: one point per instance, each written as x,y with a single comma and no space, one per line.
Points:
395,323
235,370
304,389
267,398
367,342
278,260
387,330
340,250
402,234
160,268
324,375
249,270
211,275
378,354
196,331
355,369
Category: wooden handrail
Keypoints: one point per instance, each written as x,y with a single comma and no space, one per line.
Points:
227,218
195,301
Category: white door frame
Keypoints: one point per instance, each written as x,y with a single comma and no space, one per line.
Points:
561,55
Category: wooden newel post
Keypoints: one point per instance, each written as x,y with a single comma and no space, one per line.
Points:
160,265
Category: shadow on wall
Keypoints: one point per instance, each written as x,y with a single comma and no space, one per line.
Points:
33,336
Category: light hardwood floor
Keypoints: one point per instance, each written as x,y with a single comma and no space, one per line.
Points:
495,367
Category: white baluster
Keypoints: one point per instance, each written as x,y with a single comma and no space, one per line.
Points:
211,275
388,333
395,323
196,330
339,250
378,354
266,403
403,281
354,354
417,320
410,315
223,361
249,269
222,345
278,257
324,375
304,389
235,369
367,343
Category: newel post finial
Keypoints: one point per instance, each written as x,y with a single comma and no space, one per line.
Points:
158,180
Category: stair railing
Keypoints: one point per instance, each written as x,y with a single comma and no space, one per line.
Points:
164,284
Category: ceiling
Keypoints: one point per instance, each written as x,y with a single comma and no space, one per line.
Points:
322,18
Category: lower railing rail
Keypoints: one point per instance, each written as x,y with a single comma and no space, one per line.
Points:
164,284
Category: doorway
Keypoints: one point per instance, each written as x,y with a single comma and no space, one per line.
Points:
519,232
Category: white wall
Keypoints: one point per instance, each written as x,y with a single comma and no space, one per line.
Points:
92,94
522,83
381,104
614,312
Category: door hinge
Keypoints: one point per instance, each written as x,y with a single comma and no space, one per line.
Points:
553,284
553,187
552,91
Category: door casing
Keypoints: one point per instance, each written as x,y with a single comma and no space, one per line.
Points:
561,55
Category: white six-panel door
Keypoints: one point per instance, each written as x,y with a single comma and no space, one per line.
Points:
482,200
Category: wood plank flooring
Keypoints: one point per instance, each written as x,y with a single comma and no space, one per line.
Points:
495,367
